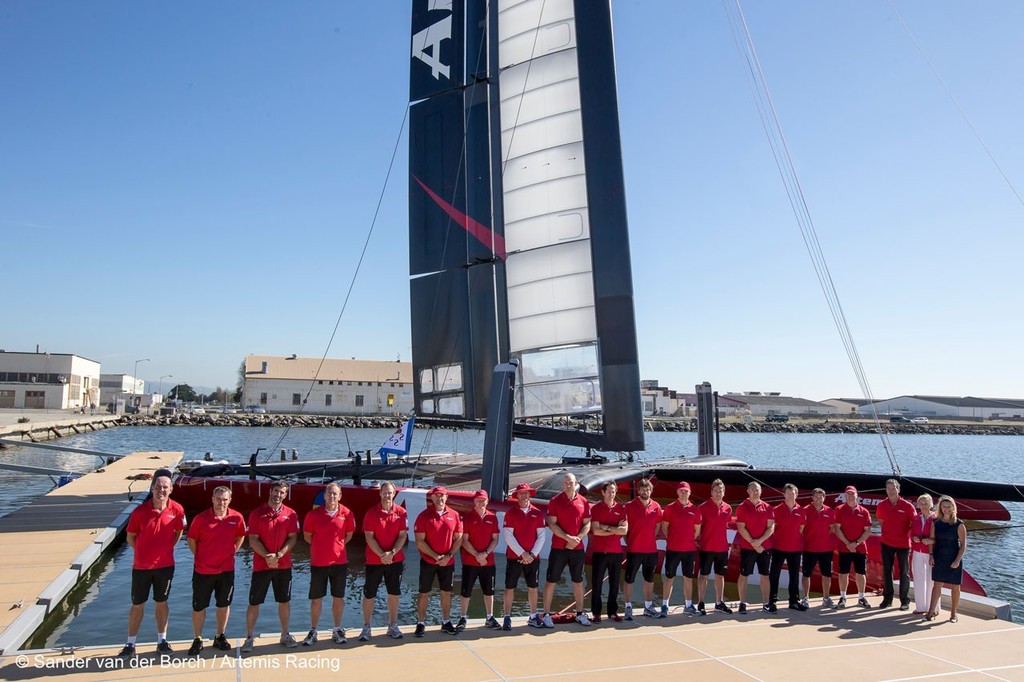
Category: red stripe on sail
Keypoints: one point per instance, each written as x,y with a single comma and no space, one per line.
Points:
483,234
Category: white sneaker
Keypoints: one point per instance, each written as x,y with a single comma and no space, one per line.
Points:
248,644
365,634
582,619
311,638
806,604
394,632
338,636
288,641
548,623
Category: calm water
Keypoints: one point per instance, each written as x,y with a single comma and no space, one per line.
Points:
97,610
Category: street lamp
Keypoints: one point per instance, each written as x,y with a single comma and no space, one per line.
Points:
135,375
160,387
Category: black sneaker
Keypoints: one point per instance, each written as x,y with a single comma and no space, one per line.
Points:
221,642
798,606
721,606
448,629
886,603
197,646
461,625
127,652
770,607
743,607
164,647
493,623
421,630
701,610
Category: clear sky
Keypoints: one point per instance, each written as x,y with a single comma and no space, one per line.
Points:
192,182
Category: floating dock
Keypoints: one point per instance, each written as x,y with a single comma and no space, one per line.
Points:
46,546
853,644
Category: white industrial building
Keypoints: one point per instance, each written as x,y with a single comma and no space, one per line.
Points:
763,404
280,384
48,381
953,407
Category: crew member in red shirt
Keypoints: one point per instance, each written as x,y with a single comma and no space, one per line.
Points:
680,524
479,538
852,527
715,515
819,544
896,516
154,527
438,537
568,517
386,528
643,516
273,532
524,539
213,537
755,523
328,530
607,527
787,547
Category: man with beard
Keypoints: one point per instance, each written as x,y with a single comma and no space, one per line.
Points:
642,518
524,538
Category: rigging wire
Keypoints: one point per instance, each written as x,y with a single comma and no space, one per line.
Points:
798,203
351,286
956,103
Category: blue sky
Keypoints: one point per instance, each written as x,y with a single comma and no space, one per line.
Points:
193,182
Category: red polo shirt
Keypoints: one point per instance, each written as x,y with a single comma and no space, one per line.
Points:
272,528
524,524
155,533
642,536
327,545
789,525
714,526
439,530
818,536
609,516
755,518
681,523
478,533
385,527
852,522
215,541
569,515
896,520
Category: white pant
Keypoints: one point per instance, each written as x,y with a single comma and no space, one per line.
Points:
921,571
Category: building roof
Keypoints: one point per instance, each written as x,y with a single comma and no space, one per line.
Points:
852,401
771,400
965,401
305,369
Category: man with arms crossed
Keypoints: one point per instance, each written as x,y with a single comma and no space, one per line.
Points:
896,516
154,527
386,528
680,524
819,542
643,515
715,515
328,529
273,532
438,537
479,538
568,517
755,523
852,527
213,537
788,545
524,538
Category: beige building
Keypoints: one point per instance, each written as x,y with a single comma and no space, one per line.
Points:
281,384
48,381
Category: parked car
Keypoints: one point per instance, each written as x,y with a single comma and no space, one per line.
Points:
255,409
919,420
899,419
777,418
198,410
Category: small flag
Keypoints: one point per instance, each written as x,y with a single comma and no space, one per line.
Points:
398,443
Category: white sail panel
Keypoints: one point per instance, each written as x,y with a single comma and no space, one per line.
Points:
532,28
563,326
558,195
552,228
550,132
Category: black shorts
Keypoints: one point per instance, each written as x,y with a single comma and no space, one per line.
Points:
445,576
750,558
472,574
319,576
858,560
158,578
637,560
205,585
717,560
685,561
390,573
514,569
821,559
558,559
280,578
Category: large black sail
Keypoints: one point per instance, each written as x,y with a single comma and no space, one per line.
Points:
518,238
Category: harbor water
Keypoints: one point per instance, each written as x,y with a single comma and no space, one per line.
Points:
96,611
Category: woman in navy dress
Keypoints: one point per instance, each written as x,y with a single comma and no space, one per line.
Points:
950,537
